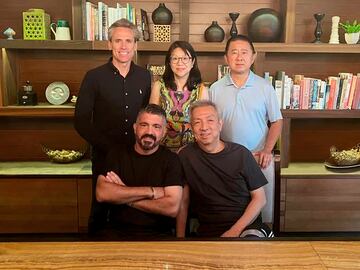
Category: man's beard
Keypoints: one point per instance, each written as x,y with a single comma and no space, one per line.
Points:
146,145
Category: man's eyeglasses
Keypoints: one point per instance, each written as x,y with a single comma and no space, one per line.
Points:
175,60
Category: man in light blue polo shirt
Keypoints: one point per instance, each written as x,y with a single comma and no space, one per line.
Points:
247,103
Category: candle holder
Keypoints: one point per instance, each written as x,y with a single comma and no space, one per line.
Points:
318,31
233,17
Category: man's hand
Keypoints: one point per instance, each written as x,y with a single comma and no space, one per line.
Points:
231,233
112,177
263,158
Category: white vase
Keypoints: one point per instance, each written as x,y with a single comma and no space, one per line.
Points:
352,38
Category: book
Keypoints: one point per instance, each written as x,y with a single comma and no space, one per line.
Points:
356,101
352,91
222,71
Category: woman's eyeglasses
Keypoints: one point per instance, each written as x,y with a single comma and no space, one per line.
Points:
175,60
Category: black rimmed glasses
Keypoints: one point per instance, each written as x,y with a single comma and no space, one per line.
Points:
184,59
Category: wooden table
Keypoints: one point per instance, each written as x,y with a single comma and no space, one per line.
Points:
181,255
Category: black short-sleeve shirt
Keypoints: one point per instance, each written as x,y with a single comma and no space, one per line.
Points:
159,169
220,184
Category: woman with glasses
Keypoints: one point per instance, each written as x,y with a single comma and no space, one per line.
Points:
179,87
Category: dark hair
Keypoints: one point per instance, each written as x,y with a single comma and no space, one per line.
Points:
152,109
194,76
239,37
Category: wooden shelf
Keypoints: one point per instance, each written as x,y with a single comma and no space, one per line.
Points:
46,44
321,114
317,170
38,111
200,47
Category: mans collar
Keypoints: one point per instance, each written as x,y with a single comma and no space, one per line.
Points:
249,81
113,68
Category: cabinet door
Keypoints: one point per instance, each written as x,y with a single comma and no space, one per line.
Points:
84,202
322,205
45,205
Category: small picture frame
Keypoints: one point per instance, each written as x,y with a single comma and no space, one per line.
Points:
156,71
222,71
145,25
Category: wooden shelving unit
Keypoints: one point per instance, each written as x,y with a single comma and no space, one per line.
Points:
306,136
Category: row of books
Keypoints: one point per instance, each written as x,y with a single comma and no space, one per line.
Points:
336,92
98,17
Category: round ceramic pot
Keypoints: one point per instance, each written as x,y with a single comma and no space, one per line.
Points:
162,15
352,38
214,33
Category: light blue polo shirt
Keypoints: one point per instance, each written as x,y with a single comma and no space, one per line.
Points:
245,110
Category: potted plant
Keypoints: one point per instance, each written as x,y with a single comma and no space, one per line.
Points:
352,31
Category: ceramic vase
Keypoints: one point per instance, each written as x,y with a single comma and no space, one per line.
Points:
162,15
318,31
233,17
214,33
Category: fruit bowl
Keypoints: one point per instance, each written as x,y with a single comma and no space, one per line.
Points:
63,155
345,157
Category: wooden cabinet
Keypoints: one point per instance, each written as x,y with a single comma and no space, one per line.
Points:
314,199
44,205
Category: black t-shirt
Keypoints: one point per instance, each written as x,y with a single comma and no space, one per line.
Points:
159,169
220,185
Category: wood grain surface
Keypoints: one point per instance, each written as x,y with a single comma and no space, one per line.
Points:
181,255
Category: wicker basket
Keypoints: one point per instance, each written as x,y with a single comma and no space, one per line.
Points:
64,155
36,24
345,157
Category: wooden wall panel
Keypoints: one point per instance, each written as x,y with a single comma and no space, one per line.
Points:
322,205
202,13
38,206
21,139
315,65
311,139
61,67
305,23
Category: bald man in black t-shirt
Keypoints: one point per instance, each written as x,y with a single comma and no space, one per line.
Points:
224,184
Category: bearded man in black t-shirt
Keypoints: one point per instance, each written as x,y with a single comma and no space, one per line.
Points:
143,182
224,184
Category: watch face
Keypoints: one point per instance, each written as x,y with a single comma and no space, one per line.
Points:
57,93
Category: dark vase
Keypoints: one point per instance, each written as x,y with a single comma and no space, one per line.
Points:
214,33
264,25
162,15
318,31
233,29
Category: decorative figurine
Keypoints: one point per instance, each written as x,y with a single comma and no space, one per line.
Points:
9,33
318,31
334,37
233,17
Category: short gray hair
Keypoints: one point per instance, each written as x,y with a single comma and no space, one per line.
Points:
125,24
202,103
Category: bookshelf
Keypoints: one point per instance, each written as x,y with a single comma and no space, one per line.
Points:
306,136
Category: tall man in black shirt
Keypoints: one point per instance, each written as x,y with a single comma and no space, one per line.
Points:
110,97
224,182
142,182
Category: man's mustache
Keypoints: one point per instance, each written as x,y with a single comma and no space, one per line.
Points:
149,136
